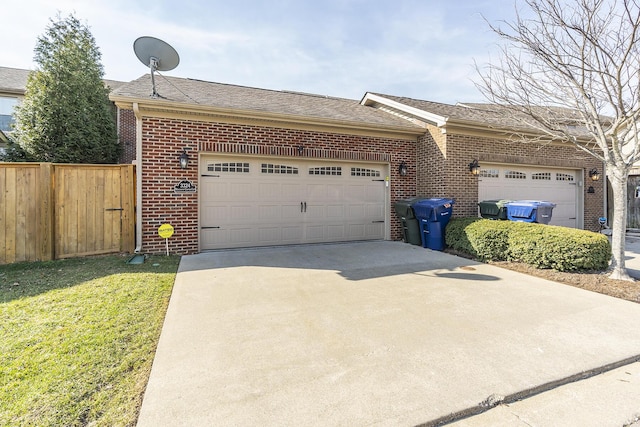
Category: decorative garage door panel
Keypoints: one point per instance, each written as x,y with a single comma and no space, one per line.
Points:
516,182
261,202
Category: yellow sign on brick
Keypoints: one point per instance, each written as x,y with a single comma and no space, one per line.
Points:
165,231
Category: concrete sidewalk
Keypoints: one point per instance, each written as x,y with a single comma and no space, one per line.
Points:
373,333
609,399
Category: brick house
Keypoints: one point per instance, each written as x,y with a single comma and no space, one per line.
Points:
509,168
13,84
275,167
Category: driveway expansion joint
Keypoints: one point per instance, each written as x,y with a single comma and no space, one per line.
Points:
495,399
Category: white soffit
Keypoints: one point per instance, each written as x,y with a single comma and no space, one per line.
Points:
370,99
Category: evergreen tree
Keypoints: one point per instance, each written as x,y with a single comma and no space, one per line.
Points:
66,115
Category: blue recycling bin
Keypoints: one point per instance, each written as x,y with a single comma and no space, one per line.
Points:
530,211
433,216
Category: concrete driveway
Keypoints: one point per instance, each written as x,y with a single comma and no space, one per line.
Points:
369,334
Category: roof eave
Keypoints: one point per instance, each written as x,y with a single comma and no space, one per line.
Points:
12,91
159,108
505,132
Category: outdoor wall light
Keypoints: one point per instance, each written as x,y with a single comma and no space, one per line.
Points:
300,149
184,159
474,167
594,174
402,169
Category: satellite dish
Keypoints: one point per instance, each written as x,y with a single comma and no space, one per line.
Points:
157,55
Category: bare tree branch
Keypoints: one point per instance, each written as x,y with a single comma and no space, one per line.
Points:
570,71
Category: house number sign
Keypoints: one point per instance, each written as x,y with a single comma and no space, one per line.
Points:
184,187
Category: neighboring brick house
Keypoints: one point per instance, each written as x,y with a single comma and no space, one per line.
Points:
13,84
509,168
275,167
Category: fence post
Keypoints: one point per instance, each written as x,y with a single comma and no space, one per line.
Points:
45,226
127,191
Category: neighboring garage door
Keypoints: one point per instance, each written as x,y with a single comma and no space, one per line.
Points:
248,202
516,182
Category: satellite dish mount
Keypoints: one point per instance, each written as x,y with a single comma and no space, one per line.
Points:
157,55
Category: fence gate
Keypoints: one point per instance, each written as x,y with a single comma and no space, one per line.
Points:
94,208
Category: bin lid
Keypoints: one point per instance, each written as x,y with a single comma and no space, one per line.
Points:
423,211
499,203
521,210
532,203
435,202
403,206
424,208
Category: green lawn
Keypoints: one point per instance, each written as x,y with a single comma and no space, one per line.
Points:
77,339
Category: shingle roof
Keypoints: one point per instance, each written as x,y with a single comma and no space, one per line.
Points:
113,84
243,98
13,79
487,115
495,116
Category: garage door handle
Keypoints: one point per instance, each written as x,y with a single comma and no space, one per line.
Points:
214,176
207,228
378,180
305,206
114,209
301,207
377,222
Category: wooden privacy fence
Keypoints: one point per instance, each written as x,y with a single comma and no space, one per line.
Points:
52,211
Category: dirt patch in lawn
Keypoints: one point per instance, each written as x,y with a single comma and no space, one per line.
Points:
592,281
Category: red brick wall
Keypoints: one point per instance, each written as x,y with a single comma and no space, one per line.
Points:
463,187
164,139
431,157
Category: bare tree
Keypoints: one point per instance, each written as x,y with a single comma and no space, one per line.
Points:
571,71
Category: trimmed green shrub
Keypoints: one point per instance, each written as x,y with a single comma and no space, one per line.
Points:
543,246
455,235
485,239
559,248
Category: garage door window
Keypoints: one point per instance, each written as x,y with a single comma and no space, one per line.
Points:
279,169
326,170
489,173
564,177
541,176
228,167
515,175
364,172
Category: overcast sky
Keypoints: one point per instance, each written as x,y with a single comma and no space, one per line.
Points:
423,49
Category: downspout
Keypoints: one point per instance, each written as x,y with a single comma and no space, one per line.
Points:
136,112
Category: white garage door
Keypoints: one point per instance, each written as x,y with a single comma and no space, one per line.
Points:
248,202
516,182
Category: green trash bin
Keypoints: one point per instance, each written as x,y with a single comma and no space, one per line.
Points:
410,225
493,209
